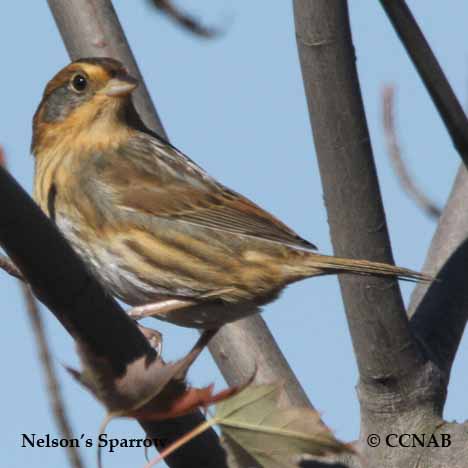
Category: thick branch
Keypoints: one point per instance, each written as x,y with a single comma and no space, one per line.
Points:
62,282
384,346
441,316
91,27
248,336
431,73
440,311
414,403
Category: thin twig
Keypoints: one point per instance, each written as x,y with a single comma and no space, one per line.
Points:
184,20
394,151
431,73
7,265
56,401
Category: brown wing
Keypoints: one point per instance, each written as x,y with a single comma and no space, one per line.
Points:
155,178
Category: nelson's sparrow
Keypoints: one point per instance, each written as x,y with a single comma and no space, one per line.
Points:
152,226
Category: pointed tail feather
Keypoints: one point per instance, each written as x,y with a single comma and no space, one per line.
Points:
324,264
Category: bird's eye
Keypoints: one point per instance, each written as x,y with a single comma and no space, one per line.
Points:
79,83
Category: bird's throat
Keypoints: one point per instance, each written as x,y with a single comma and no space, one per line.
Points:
95,126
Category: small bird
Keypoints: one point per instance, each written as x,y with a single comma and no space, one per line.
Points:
153,227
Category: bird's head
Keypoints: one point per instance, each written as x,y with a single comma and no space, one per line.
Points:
87,102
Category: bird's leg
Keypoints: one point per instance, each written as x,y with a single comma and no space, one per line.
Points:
159,308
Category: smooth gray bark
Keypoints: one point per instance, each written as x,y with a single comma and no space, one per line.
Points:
439,311
380,331
403,366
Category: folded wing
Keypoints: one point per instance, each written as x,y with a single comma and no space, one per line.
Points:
155,178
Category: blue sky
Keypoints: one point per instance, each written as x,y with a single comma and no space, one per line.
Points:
236,106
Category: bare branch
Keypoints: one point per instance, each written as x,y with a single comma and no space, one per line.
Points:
384,346
32,307
410,392
394,151
56,401
184,20
441,314
440,311
251,335
91,27
430,72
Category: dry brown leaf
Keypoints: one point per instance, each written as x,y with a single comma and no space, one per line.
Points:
143,385
274,437
192,399
150,391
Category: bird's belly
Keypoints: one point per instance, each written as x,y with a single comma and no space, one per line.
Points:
111,264
145,266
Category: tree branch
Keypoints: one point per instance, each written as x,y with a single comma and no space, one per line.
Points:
250,335
91,28
7,265
184,19
384,345
441,315
62,282
408,394
430,72
440,311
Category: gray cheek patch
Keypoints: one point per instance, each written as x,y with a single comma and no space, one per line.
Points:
60,103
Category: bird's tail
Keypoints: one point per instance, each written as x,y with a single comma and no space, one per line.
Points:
313,264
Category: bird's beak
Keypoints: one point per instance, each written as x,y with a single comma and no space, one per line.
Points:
121,85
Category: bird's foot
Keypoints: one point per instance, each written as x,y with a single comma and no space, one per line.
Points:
154,338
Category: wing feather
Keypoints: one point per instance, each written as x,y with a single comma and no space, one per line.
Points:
154,177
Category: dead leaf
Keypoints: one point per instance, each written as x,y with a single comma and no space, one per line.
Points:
144,384
192,399
274,437
147,390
